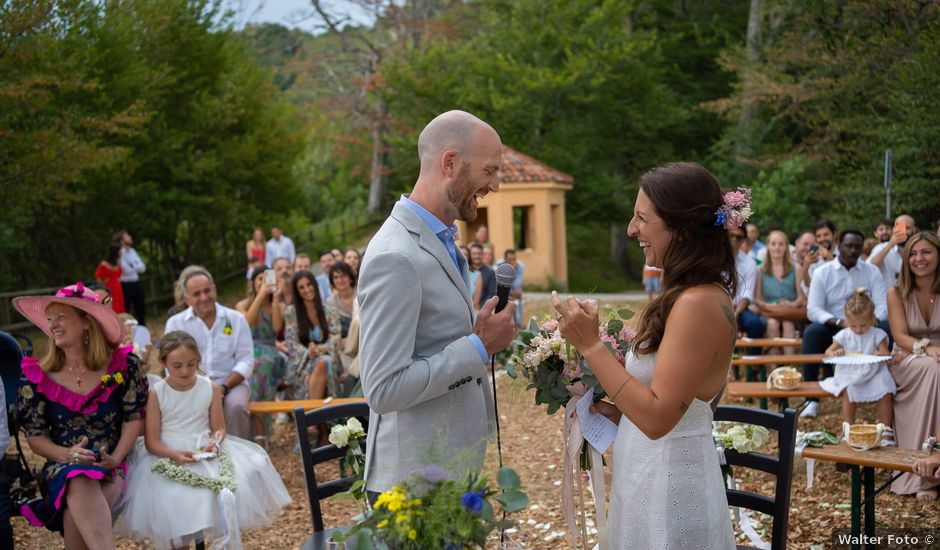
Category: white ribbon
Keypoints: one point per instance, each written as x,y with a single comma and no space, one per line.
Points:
231,538
574,440
741,515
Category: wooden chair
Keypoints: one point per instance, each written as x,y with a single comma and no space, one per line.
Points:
313,456
781,466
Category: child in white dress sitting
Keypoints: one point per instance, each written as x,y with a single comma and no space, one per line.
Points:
189,478
864,383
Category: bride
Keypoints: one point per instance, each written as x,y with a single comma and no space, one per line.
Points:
667,490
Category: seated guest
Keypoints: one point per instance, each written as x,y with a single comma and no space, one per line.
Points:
833,283
886,256
302,263
263,311
353,259
284,271
170,502
883,230
82,425
777,286
6,530
914,309
748,321
225,345
487,274
802,247
867,248
756,248
323,280
825,232
138,337
306,335
340,308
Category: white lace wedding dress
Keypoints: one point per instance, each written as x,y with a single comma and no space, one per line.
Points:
668,493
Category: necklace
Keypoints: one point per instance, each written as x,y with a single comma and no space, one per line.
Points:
78,378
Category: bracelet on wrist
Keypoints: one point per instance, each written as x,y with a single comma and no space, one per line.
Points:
920,346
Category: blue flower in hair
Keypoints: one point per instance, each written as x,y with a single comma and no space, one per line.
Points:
720,218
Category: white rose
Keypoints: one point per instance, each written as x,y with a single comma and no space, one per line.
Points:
741,444
339,436
354,427
760,436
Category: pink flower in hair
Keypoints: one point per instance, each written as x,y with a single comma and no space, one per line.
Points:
735,209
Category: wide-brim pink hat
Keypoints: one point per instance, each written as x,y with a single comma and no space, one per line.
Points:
79,297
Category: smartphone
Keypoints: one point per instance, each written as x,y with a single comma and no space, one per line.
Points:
270,277
814,248
900,226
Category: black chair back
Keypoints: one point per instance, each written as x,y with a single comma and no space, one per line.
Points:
781,465
313,456
10,357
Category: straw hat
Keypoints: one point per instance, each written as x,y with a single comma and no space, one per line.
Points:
77,296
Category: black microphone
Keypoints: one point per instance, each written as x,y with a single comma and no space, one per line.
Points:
505,277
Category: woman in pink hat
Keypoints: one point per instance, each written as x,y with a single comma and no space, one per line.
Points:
80,408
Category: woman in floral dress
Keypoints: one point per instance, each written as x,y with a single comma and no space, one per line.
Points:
80,409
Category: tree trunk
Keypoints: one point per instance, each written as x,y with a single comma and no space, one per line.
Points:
744,144
378,183
618,248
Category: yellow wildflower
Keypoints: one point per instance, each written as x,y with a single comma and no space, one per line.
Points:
412,535
382,524
119,378
105,378
401,518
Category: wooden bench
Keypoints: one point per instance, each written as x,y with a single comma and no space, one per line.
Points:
760,390
780,360
768,342
273,407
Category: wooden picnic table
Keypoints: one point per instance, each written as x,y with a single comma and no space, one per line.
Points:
794,359
862,465
759,389
768,342
272,407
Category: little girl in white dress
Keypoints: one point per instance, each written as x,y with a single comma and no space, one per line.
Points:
864,383
189,478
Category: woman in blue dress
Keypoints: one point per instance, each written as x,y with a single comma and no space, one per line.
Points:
80,409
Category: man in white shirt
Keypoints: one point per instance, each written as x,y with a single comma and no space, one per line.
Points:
886,256
833,283
323,280
746,267
279,246
131,268
225,344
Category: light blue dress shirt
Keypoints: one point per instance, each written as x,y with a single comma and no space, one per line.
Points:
446,236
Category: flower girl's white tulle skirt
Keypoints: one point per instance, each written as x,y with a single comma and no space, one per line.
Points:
167,512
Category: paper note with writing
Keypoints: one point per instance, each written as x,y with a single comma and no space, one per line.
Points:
596,428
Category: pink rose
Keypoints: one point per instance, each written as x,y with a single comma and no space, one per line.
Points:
627,334
549,326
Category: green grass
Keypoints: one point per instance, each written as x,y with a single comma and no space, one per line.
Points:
590,268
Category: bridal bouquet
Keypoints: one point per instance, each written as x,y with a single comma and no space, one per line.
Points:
431,509
553,367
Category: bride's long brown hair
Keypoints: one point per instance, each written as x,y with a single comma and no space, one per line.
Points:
686,197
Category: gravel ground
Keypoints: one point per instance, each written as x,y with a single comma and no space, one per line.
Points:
532,444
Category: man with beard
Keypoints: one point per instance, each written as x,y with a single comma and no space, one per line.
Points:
825,232
886,256
423,351
833,284
883,230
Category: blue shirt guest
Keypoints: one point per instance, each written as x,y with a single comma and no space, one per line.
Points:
80,409
832,284
423,349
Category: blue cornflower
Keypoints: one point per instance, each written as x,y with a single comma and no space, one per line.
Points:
720,218
472,501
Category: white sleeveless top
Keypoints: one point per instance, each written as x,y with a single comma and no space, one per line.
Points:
668,493
184,415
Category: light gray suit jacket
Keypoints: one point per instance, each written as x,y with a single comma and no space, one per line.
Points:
421,374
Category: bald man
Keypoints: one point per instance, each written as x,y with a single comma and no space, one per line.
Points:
886,256
423,351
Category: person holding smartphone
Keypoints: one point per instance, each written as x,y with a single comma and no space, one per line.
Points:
886,256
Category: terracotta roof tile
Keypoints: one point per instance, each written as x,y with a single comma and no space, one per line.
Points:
521,168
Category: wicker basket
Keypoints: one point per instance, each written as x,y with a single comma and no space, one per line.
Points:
785,378
863,436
